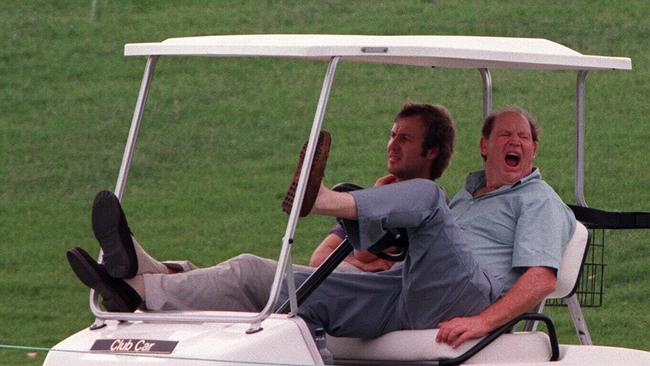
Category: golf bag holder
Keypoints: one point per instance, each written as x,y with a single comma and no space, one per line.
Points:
590,285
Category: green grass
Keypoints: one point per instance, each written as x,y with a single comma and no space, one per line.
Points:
220,137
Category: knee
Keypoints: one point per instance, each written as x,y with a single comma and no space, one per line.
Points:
246,261
250,265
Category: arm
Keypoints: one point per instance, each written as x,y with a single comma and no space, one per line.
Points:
362,260
324,249
529,290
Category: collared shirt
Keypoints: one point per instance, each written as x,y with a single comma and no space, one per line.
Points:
514,227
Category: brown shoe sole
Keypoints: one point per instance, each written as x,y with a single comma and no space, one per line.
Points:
315,176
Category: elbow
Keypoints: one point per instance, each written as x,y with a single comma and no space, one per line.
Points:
542,281
548,285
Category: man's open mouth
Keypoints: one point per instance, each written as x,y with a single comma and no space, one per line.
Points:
512,159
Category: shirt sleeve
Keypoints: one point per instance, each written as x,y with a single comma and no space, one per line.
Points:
339,231
543,229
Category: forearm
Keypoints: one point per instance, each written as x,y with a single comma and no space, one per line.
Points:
529,290
336,204
324,249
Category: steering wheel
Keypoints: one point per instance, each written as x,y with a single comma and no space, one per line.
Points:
397,238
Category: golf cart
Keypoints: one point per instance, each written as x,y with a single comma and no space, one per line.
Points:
278,338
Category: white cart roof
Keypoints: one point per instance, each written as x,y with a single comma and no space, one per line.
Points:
439,51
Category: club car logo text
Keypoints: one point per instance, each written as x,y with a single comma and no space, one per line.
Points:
133,346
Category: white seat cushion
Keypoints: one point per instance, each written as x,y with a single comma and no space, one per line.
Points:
574,251
420,345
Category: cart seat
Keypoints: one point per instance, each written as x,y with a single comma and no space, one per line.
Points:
420,347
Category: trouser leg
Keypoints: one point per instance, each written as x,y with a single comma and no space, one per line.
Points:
352,304
180,266
149,264
242,283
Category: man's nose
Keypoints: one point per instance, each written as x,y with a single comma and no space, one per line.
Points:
514,140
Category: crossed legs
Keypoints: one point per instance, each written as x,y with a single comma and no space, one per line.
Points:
130,278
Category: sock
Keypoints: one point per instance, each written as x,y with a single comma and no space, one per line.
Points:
146,263
137,283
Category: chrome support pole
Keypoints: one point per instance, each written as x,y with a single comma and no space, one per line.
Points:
487,92
579,186
284,262
291,287
99,322
578,319
135,126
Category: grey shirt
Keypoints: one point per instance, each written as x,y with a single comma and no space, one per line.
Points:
522,225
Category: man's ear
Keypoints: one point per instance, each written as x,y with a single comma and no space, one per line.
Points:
483,145
432,153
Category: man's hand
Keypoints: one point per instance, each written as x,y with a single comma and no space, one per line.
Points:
457,330
387,179
376,265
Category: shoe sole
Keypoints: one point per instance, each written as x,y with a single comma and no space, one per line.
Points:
117,296
315,175
112,231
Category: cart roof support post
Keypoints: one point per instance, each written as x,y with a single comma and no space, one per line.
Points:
579,185
487,91
285,265
149,68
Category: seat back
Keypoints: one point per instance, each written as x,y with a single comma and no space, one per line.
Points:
572,259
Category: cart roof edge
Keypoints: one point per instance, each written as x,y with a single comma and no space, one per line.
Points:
419,50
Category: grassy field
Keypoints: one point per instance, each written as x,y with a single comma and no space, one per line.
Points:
220,137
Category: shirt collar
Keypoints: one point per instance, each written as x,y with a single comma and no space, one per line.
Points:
477,179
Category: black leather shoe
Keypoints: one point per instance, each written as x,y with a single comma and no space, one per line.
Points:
114,236
117,295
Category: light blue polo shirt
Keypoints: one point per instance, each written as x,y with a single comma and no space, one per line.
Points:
522,225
